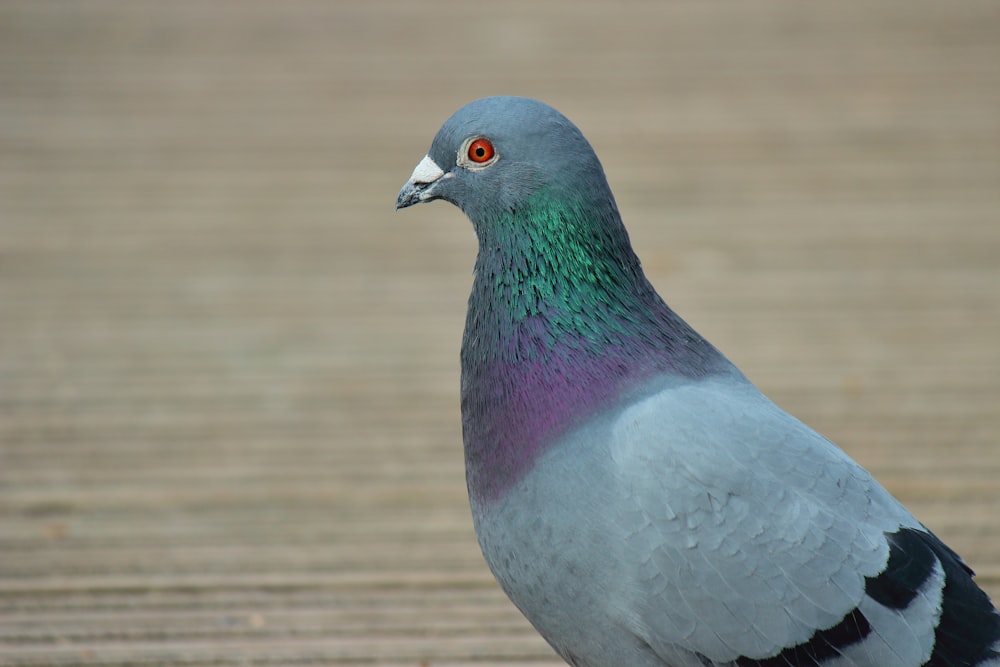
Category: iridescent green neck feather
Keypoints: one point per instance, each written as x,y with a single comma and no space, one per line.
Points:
561,323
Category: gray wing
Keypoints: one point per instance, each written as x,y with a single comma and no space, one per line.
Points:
750,539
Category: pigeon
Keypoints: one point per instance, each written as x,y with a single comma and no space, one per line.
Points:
637,498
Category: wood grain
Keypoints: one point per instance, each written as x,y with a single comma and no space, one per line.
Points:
228,372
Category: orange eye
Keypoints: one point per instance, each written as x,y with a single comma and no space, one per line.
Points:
481,150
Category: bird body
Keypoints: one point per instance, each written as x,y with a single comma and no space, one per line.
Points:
637,498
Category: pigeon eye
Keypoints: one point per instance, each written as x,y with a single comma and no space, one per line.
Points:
481,150
477,153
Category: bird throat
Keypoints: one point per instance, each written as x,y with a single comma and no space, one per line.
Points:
561,324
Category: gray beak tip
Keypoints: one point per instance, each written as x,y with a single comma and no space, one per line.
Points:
408,195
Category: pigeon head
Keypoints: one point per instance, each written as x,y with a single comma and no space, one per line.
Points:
549,231
498,155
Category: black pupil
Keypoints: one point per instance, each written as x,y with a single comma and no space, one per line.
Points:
480,151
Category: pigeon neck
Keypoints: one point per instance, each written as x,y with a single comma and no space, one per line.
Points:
561,323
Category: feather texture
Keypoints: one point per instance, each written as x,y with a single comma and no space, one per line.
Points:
636,497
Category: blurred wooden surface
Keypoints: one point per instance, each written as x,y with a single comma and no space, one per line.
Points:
228,372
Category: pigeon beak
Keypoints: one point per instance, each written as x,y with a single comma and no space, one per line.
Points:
420,187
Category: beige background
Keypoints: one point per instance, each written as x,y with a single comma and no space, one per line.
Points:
228,371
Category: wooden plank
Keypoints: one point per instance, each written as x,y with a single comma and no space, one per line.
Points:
228,373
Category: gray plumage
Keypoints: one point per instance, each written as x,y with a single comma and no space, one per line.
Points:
634,494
